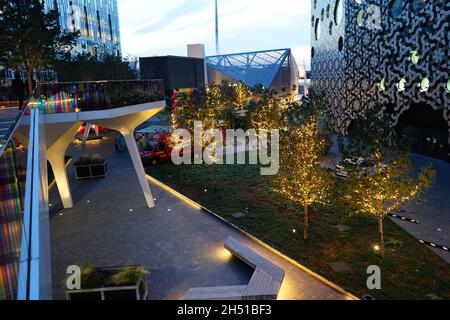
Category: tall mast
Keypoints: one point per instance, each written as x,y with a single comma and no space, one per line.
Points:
217,29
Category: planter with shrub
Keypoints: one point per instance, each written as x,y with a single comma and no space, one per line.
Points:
115,283
89,167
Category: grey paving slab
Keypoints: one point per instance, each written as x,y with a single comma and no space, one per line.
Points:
181,246
434,212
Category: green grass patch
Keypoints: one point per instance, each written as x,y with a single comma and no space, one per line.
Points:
409,270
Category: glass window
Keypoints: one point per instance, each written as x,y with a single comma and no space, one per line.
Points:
424,85
401,85
330,29
382,84
396,8
414,57
338,11
317,29
418,5
360,18
341,44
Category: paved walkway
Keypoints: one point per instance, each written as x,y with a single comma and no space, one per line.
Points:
181,246
433,213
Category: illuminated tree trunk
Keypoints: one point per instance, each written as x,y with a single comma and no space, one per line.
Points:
30,81
305,221
380,228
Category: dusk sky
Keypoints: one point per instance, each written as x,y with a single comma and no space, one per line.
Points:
155,27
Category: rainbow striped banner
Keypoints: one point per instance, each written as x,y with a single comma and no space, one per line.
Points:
10,224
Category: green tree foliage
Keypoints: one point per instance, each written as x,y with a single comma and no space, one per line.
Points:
206,105
301,179
267,111
31,38
237,97
233,106
388,179
104,66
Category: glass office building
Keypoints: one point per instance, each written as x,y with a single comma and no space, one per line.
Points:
97,21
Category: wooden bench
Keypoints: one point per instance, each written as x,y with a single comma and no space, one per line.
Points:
265,283
216,293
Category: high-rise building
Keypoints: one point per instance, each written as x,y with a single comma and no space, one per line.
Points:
97,21
391,54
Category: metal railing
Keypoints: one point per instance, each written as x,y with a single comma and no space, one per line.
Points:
14,171
95,96
14,123
65,97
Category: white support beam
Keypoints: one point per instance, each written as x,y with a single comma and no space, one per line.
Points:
59,137
126,125
87,129
139,168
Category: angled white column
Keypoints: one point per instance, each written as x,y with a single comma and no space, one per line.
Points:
59,136
138,167
126,124
61,128
87,129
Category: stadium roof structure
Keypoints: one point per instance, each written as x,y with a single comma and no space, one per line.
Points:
253,68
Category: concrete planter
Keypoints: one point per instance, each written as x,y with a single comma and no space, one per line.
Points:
91,171
138,291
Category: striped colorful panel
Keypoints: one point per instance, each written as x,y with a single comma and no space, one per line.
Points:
10,223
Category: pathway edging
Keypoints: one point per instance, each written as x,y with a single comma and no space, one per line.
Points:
249,236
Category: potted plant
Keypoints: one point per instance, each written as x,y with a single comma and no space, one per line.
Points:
89,167
115,283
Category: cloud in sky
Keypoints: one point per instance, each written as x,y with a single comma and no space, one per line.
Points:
155,27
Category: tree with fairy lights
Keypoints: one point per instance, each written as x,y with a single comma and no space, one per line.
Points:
266,110
382,177
207,107
301,179
237,97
